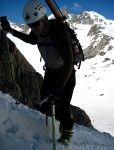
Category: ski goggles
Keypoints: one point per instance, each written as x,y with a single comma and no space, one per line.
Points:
35,24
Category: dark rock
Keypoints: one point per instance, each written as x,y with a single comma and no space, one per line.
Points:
80,117
17,76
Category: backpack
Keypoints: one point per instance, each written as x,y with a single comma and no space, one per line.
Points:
76,46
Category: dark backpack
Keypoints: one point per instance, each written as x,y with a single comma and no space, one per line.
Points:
78,56
55,26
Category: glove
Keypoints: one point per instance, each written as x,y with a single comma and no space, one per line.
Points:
55,94
5,24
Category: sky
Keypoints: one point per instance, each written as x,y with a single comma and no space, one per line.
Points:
13,8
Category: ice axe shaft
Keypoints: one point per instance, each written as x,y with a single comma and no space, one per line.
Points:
53,124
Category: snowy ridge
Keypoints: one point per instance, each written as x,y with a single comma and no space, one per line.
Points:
99,18
23,128
94,31
20,27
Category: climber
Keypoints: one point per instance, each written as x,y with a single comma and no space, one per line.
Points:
54,44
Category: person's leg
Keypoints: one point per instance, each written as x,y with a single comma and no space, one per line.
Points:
63,110
45,107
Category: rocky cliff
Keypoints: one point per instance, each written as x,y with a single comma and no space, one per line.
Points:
17,77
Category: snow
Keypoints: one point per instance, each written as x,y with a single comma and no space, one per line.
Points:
86,42
99,18
21,126
94,79
24,128
30,52
109,30
96,83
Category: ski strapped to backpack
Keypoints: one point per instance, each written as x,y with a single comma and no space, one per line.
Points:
76,46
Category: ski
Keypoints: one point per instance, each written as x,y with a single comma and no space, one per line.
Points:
55,10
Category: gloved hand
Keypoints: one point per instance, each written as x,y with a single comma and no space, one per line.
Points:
55,94
5,24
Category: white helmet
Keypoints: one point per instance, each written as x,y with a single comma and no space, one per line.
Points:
33,11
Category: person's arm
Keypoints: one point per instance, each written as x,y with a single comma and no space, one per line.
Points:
31,38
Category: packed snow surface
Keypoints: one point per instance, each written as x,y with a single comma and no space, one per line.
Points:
24,128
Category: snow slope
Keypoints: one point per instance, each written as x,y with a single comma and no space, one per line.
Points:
95,80
23,128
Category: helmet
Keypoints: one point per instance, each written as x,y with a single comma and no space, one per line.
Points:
33,11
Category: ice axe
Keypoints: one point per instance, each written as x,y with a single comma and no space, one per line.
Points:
53,123
52,103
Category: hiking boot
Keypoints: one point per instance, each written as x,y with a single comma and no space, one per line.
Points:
65,136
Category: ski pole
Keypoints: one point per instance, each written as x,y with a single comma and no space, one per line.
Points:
53,123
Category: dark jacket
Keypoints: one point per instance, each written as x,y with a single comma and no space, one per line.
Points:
62,40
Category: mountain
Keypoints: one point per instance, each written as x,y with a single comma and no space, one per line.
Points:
20,27
94,92
23,128
95,32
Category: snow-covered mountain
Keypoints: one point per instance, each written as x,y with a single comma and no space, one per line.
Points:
94,91
94,31
20,27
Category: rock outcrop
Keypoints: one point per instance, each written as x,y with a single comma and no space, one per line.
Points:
17,77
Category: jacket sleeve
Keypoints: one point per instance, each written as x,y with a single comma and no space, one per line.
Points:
67,55
31,38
